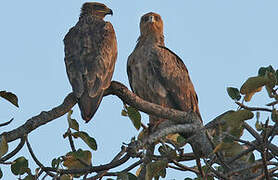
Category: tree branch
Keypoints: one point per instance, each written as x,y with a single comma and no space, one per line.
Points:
115,88
253,108
41,119
36,159
91,169
118,89
6,123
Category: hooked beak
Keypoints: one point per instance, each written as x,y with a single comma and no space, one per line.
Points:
105,11
109,11
151,19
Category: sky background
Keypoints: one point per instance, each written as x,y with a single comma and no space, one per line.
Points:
221,42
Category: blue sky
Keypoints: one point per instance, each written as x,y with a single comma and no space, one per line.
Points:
221,42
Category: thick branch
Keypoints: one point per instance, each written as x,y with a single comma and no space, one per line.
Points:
130,98
115,88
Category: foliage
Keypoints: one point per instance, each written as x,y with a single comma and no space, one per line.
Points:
231,157
12,98
133,115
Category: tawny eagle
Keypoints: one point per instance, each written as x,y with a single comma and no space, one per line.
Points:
157,74
90,56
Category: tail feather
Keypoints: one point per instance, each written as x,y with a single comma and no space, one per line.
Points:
88,105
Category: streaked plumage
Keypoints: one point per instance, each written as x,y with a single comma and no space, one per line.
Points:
157,74
90,56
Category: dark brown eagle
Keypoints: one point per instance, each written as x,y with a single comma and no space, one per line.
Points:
157,74
90,56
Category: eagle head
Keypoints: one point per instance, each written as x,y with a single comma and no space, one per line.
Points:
151,24
95,9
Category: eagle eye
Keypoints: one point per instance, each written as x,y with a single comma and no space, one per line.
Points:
145,19
98,7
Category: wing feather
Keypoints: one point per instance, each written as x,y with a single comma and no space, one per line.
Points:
174,77
90,56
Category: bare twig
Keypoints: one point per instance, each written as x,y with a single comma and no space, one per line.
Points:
219,156
36,160
263,154
187,157
6,123
71,140
272,103
253,108
198,162
177,168
90,169
116,158
252,132
125,170
186,168
272,133
217,174
133,165
257,164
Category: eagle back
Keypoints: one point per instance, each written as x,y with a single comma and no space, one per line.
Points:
90,55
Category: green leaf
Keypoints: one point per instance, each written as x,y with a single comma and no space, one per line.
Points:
154,169
259,126
124,113
272,80
251,158
270,69
234,121
131,176
29,177
3,146
12,98
73,124
20,166
91,142
134,116
65,177
126,176
262,71
253,85
258,114
181,140
274,116
167,151
234,93
78,159
56,162
276,74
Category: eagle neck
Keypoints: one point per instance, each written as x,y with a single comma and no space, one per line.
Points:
151,39
90,17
